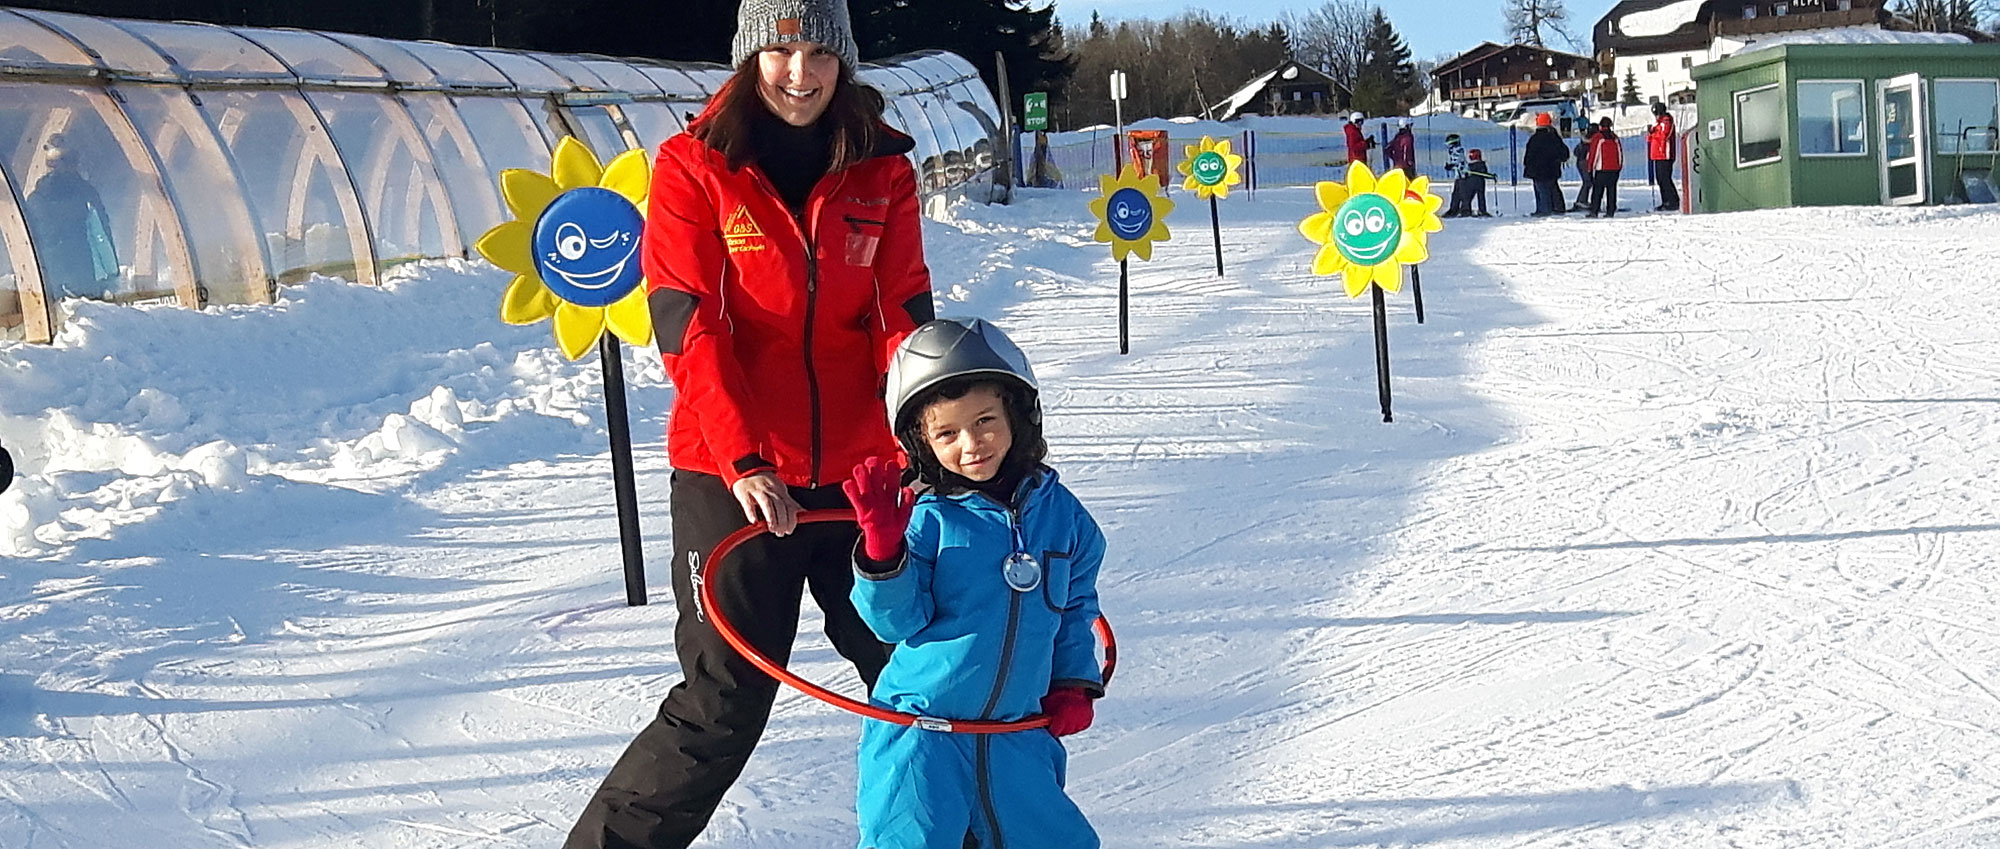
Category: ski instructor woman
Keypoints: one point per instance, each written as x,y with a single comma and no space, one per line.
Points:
785,262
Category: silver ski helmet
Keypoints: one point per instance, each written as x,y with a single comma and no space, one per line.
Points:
941,349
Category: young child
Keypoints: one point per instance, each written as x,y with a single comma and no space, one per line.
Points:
1454,155
1470,187
987,584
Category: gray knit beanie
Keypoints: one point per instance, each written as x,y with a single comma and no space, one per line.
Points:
762,23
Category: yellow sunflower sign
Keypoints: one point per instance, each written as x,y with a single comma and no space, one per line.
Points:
1131,215
1210,168
574,247
1368,229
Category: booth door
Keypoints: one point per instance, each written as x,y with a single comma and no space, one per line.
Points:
1905,161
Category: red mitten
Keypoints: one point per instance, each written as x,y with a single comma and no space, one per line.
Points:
881,507
1068,710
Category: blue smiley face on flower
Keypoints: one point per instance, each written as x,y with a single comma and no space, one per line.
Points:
587,245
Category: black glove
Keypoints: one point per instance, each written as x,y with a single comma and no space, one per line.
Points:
6,469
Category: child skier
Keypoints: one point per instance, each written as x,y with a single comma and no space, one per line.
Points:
1454,155
1470,186
1607,158
987,584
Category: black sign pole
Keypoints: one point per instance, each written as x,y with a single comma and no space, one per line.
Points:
612,355
1124,343
1215,221
1381,350
1417,289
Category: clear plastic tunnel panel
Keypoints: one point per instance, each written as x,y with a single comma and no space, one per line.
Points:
13,240
228,261
402,66
509,133
674,82
100,226
306,212
599,131
390,165
25,43
475,199
573,70
210,53
526,73
317,58
120,51
456,66
655,121
618,76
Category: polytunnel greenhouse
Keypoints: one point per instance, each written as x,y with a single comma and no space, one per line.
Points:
196,164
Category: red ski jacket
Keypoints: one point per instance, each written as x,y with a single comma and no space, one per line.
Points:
776,329
1358,143
1660,138
1606,152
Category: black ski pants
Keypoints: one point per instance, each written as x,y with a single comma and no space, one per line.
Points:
1663,177
662,791
1604,193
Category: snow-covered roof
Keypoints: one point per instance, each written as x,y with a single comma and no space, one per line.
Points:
1855,35
1660,21
1234,103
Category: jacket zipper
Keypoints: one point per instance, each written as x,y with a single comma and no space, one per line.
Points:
857,221
983,762
1013,631
812,306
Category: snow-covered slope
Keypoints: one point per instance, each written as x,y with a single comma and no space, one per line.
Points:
1681,538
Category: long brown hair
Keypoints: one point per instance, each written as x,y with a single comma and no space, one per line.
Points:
853,117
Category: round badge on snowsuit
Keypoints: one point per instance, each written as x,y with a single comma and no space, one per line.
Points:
1022,571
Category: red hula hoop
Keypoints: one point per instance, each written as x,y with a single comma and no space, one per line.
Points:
773,669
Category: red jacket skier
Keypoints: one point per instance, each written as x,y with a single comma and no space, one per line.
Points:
1358,142
1661,147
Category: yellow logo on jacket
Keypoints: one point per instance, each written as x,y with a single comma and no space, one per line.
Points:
741,232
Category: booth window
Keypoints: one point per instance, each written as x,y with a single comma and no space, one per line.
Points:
1968,115
1832,120
1760,125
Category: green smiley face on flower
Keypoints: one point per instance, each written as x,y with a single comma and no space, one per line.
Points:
1367,229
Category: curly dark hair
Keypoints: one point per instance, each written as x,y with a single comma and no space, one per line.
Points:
1027,452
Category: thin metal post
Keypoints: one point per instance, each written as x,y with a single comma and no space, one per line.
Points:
1124,340
612,355
1215,222
1381,350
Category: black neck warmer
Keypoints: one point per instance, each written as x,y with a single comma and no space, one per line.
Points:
793,157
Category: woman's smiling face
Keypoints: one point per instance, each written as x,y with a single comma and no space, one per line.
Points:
795,80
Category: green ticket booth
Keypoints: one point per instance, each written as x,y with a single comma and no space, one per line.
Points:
1854,124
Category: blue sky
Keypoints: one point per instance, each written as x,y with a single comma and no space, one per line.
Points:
1432,27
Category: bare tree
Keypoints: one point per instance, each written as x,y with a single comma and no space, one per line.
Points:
1332,37
1528,19
1943,15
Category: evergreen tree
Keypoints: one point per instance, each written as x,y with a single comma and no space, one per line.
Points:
1630,96
1386,82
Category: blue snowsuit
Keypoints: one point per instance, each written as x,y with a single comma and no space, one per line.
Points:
968,646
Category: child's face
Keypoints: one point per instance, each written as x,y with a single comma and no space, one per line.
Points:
969,434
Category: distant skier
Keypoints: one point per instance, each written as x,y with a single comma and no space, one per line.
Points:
1607,160
1542,164
987,584
1582,159
1661,147
1402,149
1358,142
1454,155
1469,187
